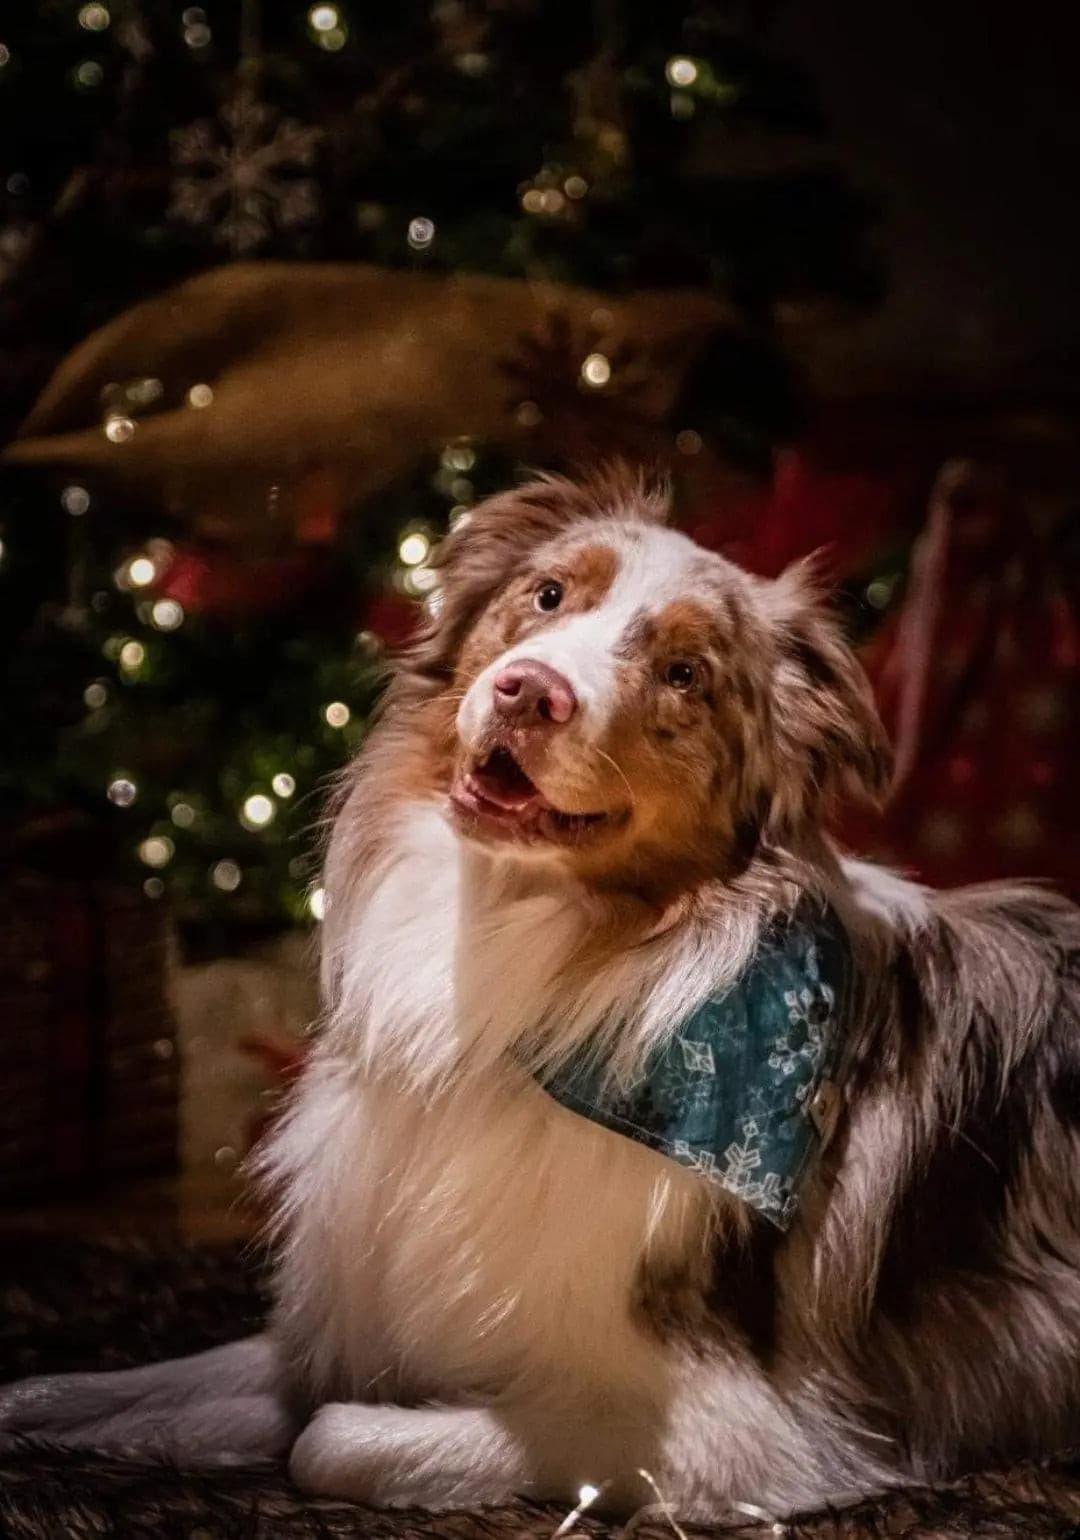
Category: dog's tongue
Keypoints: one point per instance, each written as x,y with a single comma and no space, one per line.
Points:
501,780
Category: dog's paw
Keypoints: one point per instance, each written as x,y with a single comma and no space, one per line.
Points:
332,1458
397,1457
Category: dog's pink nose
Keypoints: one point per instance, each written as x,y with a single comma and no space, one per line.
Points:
528,693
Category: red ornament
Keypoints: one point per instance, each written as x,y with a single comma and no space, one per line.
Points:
218,582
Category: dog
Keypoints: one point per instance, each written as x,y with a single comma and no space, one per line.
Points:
554,1209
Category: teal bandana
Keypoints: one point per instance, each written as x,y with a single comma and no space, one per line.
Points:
743,1090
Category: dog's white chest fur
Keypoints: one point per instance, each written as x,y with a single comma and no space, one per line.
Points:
453,1231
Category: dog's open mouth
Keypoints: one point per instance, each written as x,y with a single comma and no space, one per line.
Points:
497,793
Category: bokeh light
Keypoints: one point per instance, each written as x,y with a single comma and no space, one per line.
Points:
158,850
258,811
421,233
226,876
94,18
167,614
596,370
681,71
75,500
122,791
414,548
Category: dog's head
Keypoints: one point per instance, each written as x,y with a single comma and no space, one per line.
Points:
628,702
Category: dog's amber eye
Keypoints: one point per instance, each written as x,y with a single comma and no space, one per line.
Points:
548,595
681,675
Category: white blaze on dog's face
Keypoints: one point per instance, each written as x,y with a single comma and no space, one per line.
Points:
631,702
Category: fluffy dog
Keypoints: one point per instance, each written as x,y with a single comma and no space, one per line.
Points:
592,811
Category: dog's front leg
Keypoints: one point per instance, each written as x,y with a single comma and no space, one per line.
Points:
393,1456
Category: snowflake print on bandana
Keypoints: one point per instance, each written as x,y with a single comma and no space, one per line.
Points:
809,1012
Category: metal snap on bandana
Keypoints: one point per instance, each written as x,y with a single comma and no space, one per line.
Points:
744,1091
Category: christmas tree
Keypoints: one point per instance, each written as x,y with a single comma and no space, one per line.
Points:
501,233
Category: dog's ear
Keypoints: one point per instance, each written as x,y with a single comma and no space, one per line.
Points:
828,736
477,558
490,543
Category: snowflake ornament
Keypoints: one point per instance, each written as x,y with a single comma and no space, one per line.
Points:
236,174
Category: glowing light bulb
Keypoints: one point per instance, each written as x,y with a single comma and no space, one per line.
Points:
575,187
258,811
421,233
89,74
324,18
681,71
596,370
75,500
121,791
157,851
95,695
226,876
587,1495
337,713
153,887
167,614
132,657
283,785
317,903
141,572
183,815
421,580
414,549
119,429
200,396
94,18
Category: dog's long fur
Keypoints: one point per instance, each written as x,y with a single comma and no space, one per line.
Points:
480,1293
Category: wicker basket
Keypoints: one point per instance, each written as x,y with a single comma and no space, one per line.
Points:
88,1051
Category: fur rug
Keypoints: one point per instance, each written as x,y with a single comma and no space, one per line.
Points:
78,1306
